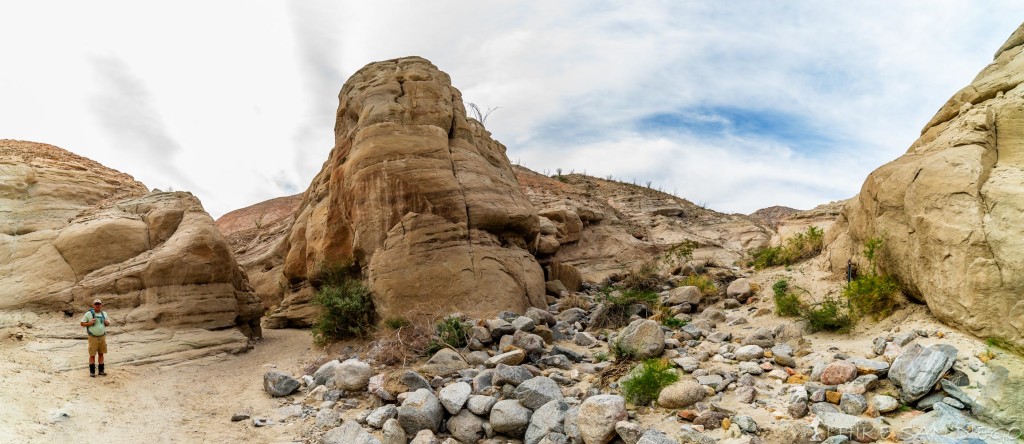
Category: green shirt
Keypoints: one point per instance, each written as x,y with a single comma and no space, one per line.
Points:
97,329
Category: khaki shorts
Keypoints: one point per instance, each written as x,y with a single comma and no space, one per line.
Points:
97,344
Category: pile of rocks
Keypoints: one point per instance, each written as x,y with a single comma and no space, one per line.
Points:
542,377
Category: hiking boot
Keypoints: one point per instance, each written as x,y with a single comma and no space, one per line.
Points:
103,373
92,375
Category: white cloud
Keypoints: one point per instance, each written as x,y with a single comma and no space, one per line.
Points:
240,95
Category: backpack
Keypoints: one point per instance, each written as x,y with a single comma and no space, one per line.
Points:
100,318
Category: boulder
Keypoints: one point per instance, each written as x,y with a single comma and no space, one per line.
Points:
684,295
919,368
325,373
421,198
510,418
548,418
278,384
466,427
382,414
454,396
681,395
420,411
950,211
393,432
643,337
838,372
598,416
534,393
510,374
349,433
480,404
749,353
445,362
352,375
740,289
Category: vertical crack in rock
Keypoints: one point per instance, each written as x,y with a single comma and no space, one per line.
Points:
462,189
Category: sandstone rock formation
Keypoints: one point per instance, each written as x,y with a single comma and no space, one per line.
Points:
602,226
822,216
951,209
256,234
72,230
418,196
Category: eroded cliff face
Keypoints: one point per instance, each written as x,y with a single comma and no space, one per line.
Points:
951,209
72,230
603,227
418,196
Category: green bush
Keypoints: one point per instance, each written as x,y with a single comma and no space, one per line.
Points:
673,322
873,295
450,331
617,306
644,277
828,315
801,246
679,253
705,284
347,305
397,323
600,357
621,352
645,382
786,303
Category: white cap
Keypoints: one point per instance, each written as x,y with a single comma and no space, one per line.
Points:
97,302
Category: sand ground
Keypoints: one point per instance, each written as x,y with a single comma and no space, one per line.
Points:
186,402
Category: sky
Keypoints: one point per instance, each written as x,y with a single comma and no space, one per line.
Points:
734,105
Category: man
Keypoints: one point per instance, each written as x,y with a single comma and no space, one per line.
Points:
95,322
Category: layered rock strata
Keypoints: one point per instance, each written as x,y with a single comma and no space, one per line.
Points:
72,230
420,197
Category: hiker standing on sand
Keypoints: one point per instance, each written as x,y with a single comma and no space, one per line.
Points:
95,322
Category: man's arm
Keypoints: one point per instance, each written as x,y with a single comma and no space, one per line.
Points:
87,321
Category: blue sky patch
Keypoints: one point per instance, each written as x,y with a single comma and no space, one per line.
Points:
788,129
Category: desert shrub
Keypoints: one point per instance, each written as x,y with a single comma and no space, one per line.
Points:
450,331
767,257
703,282
401,345
646,382
574,300
786,303
643,277
801,246
622,352
619,303
673,322
600,357
347,306
873,295
679,253
397,323
828,315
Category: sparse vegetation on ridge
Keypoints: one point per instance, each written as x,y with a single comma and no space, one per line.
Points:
801,246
